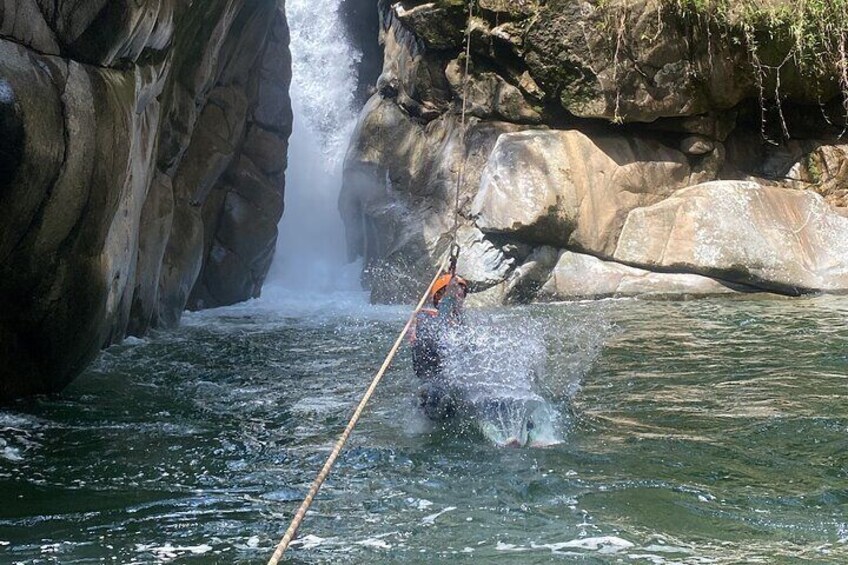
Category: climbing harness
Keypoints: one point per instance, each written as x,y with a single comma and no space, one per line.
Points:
448,261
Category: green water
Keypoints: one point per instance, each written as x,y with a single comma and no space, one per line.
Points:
711,431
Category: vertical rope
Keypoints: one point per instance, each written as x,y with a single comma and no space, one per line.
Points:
461,178
328,465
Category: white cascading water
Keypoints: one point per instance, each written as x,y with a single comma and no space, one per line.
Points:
311,247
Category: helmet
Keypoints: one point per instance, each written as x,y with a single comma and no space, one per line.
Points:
443,282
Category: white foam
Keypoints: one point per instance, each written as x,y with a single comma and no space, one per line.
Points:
376,543
420,503
11,454
431,519
603,545
310,541
132,340
510,547
169,551
50,547
312,249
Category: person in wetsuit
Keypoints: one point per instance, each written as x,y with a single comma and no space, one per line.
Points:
431,325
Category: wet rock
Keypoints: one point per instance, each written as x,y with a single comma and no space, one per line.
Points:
578,276
543,172
399,191
773,238
526,281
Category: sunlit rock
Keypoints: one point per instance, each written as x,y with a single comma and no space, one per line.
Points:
774,238
566,189
578,276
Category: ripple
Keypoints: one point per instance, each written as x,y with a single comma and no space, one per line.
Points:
706,431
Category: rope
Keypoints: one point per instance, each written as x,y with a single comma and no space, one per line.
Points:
461,178
328,465
449,260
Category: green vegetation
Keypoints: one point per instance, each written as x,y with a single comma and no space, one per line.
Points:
807,38
802,43
817,30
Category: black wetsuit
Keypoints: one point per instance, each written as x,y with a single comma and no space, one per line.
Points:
427,351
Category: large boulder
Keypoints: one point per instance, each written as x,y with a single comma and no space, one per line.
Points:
578,276
566,189
774,238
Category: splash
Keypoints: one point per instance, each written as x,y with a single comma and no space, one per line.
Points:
514,379
311,249
491,373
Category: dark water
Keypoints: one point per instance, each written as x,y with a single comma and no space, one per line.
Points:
712,431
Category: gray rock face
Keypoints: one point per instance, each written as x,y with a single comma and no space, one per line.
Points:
124,127
785,240
555,205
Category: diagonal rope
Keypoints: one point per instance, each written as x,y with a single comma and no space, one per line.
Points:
328,465
448,259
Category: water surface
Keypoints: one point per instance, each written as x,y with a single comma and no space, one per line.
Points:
711,431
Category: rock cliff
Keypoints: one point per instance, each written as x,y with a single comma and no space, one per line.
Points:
613,148
142,153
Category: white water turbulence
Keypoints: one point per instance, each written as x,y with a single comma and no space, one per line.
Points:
311,247
499,376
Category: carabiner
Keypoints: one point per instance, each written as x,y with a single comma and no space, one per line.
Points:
454,257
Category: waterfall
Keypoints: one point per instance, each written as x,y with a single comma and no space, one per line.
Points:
311,247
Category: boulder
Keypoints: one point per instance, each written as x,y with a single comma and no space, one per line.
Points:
696,145
525,281
566,189
481,262
774,238
578,276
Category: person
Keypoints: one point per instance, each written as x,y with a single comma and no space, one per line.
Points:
428,342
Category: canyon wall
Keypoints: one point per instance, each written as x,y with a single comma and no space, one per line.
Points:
615,148
142,157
